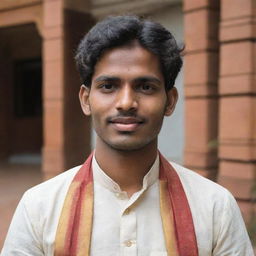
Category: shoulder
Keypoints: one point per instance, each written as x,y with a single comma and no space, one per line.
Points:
55,184
205,197
197,185
215,207
49,195
37,215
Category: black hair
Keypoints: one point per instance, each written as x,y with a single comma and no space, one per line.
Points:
115,31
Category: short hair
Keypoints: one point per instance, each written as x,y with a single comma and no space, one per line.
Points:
116,31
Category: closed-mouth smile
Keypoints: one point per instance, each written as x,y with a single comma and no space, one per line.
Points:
126,124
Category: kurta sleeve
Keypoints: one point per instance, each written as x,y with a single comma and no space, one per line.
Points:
23,237
231,237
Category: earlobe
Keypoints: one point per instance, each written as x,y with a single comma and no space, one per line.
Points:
84,99
172,97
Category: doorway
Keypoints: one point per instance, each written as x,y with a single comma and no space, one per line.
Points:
21,94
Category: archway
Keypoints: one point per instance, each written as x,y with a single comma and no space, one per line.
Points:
21,96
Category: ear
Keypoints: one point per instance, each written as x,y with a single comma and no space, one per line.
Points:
84,99
172,97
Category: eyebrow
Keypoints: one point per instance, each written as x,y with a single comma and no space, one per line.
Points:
107,78
142,79
145,79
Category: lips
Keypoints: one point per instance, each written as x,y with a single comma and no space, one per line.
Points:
126,124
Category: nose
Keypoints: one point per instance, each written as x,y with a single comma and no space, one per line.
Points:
127,99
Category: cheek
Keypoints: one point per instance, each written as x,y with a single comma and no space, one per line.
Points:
155,108
101,109
100,102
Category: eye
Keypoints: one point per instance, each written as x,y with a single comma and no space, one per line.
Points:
107,88
146,88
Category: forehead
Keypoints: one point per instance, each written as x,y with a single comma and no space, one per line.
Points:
128,61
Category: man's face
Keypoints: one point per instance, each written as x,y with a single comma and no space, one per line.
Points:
127,99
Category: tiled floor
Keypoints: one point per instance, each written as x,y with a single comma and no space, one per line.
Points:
14,181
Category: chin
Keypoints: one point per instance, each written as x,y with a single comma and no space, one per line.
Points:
125,148
128,146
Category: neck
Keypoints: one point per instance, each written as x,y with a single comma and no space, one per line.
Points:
126,168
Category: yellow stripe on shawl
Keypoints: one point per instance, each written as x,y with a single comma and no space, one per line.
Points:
60,240
85,228
167,220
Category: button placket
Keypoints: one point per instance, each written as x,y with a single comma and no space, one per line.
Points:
128,233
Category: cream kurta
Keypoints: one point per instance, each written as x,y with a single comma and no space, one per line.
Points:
129,226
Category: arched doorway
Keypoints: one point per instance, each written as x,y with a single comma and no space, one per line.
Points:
21,94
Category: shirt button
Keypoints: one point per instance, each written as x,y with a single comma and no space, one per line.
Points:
128,243
117,195
120,196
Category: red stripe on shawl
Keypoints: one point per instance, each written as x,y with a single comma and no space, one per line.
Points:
83,177
183,221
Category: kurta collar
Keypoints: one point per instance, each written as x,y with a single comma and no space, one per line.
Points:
104,180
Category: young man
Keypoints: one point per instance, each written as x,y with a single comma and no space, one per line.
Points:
127,199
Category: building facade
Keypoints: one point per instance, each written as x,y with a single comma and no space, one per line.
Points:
39,84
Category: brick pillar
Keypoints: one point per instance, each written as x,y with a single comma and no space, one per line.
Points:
201,78
66,130
237,127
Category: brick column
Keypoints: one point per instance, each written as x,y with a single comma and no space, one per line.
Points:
66,131
201,78
237,127
53,88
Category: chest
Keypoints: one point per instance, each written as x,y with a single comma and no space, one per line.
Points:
127,226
